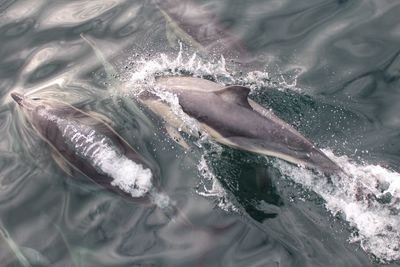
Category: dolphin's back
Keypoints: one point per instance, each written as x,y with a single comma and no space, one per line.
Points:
229,117
191,84
232,120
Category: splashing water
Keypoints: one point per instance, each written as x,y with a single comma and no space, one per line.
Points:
128,176
367,197
145,70
211,187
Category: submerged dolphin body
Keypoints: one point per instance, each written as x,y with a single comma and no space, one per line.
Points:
230,118
89,145
197,26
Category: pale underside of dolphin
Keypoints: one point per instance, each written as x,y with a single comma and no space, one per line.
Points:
230,118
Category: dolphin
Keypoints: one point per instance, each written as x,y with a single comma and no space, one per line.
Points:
198,27
230,118
86,143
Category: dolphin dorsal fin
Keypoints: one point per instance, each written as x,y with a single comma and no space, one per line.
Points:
235,94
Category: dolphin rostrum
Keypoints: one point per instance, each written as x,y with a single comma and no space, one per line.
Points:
89,145
229,117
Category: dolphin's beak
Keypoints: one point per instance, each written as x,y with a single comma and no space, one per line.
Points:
17,98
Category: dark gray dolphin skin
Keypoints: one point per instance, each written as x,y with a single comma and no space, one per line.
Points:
229,117
195,25
86,143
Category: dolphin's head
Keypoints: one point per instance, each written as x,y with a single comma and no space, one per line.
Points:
32,104
38,111
28,103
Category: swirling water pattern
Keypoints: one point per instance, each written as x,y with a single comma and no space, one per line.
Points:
330,68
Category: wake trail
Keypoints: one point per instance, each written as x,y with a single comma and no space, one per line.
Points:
366,196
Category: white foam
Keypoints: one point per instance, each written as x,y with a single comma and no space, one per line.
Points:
161,200
211,187
127,175
144,71
359,197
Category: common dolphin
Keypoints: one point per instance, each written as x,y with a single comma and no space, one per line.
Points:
197,26
229,117
86,143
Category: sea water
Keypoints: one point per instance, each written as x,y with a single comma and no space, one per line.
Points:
329,68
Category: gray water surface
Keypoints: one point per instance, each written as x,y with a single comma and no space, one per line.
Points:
333,73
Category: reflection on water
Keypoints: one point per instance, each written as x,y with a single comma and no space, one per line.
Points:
330,68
